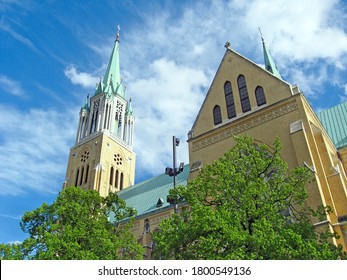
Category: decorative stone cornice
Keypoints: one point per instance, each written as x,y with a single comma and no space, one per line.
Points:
98,133
239,127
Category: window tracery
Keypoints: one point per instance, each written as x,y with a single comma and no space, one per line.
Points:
245,104
229,100
217,115
260,96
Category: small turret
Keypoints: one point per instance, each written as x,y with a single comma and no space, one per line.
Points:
269,62
86,107
129,110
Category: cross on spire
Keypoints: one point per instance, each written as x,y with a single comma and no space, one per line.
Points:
118,29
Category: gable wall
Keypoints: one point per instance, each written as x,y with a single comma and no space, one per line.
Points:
286,115
231,67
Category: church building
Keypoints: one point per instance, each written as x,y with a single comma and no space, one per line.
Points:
243,99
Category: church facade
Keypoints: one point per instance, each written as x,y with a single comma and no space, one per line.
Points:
243,99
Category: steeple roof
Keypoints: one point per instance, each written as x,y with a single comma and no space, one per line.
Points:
150,196
269,62
86,104
129,110
334,121
112,80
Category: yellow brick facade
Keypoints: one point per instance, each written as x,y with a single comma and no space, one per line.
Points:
92,160
286,115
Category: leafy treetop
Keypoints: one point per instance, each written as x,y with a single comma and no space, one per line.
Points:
246,205
76,227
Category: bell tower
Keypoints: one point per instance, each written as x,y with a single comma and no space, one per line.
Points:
102,158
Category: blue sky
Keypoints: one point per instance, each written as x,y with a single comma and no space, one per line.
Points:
53,52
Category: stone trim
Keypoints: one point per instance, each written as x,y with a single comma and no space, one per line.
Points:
98,133
245,125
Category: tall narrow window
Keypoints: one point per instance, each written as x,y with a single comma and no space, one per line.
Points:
106,116
82,127
217,116
109,117
92,124
116,182
111,176
96,121
121,181
81,179
95,117
260,96
241,82
76,180
87,171
229,100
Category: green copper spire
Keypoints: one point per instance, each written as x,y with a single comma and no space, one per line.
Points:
269,62
86,104
112,79
129,110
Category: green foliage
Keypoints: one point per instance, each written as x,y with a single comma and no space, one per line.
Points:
246,205
76,227
11,252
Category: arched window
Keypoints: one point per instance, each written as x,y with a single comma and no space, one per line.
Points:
95,117
229,99
93,127
81,179
217,116
111,176
116,182
260,96
87,171
121,181
106,116
109,117
76,180
241,82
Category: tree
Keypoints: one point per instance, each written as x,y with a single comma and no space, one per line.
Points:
11,251
246,205
76,227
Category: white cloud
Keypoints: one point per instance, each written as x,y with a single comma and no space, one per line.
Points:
300,34
183,54
11,86
83,79
196,37
17,242
175,59
165,105
20,38
11,217
48,92
343,96
33,147
291,30
310,82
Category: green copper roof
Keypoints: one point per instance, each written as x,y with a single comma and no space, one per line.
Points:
144,196
334,121
269,62
112,80
130,111
86,104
